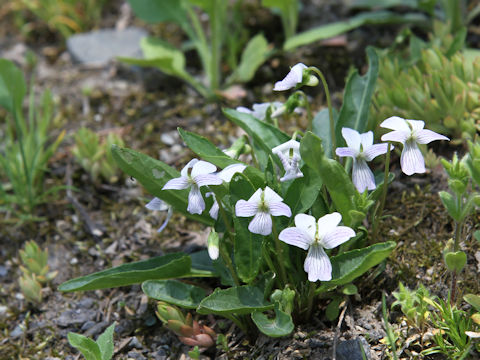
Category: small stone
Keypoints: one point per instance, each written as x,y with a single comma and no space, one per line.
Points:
19,296
351,349
74,261
170,138
17,332
135,356
3,271
88,325
75,317
134,343
86,303
96,329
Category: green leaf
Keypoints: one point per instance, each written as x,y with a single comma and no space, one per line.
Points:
161,267
12,86
280,325
105,343
450,203
153,175
236,300
350,265
473,300
265,136
157,11
357,97
174,292
455,261
247,246
255,54
89,348
333,308
338,182
340,27
303,192
321,128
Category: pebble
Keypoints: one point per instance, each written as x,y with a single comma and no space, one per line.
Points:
350,349
17,332
134,343
135,356
86,303
96,329
75,317
88,325
3,271
101,46
3,309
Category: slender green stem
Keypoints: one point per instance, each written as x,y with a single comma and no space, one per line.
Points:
223,214
309,110
456,247
268,258
237,322
310,298
254,158
228,263
378,214
330,109
278,246
297,133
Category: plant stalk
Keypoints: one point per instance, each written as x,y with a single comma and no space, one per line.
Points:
278,246
378,214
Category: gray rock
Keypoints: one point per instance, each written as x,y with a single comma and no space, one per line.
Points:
101,46
17,332
96,329
85,303
351,349
136,356
75,317
134,343
88,325
3,271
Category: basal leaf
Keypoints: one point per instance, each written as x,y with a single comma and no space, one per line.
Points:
12,86
157,11
89,348
236,300
280,325
105,343
303,191
321,128
174,292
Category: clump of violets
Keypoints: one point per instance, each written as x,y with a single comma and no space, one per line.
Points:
361,149
410,133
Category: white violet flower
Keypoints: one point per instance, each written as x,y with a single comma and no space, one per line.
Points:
289,154
296,76
262,205
410,133
200,175
157,204
260,110
315,236
361,149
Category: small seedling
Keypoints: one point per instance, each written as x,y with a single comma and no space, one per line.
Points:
102,349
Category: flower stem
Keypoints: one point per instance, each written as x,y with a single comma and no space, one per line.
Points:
228,263
456,247
278,246
309,110
224,216
378,212
310,297
254,158
330,109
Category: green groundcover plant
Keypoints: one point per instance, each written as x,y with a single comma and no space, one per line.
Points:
287,223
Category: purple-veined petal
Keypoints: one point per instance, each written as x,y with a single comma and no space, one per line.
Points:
362,176
196,204
214,210
286,146
179,183
366,139
157,204
352,138
261,224
411,159
271,196
395,123
425,136
378,149
227,173
293,78
336,237
307,223
189,165
291,174
255,198
317,264
296,237
396,135
327,223
207,179
243,109
416,125
203,167
346,151
279,209
245,208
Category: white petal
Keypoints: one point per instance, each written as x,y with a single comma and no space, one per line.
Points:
167,219
293,78
260,110
362,176
472,334
243,109
227,173
296,237
179,183
375,150
411,159
338,236
416,124
203,167
352,138
261,224
317,265
291,174
307,223
207,179
425,136
196,204
157,204
327,223
245,208
271,196
397,135
395,123
255,198
214,210
346,151
285,147
366,140
190,164
279,209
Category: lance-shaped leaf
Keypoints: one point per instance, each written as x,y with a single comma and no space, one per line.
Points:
153,175
105,342
174,292
89,348
321,128
236,300
157,11
280,325
350,265
12,86
303,192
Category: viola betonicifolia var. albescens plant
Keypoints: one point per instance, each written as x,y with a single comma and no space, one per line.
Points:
288,225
